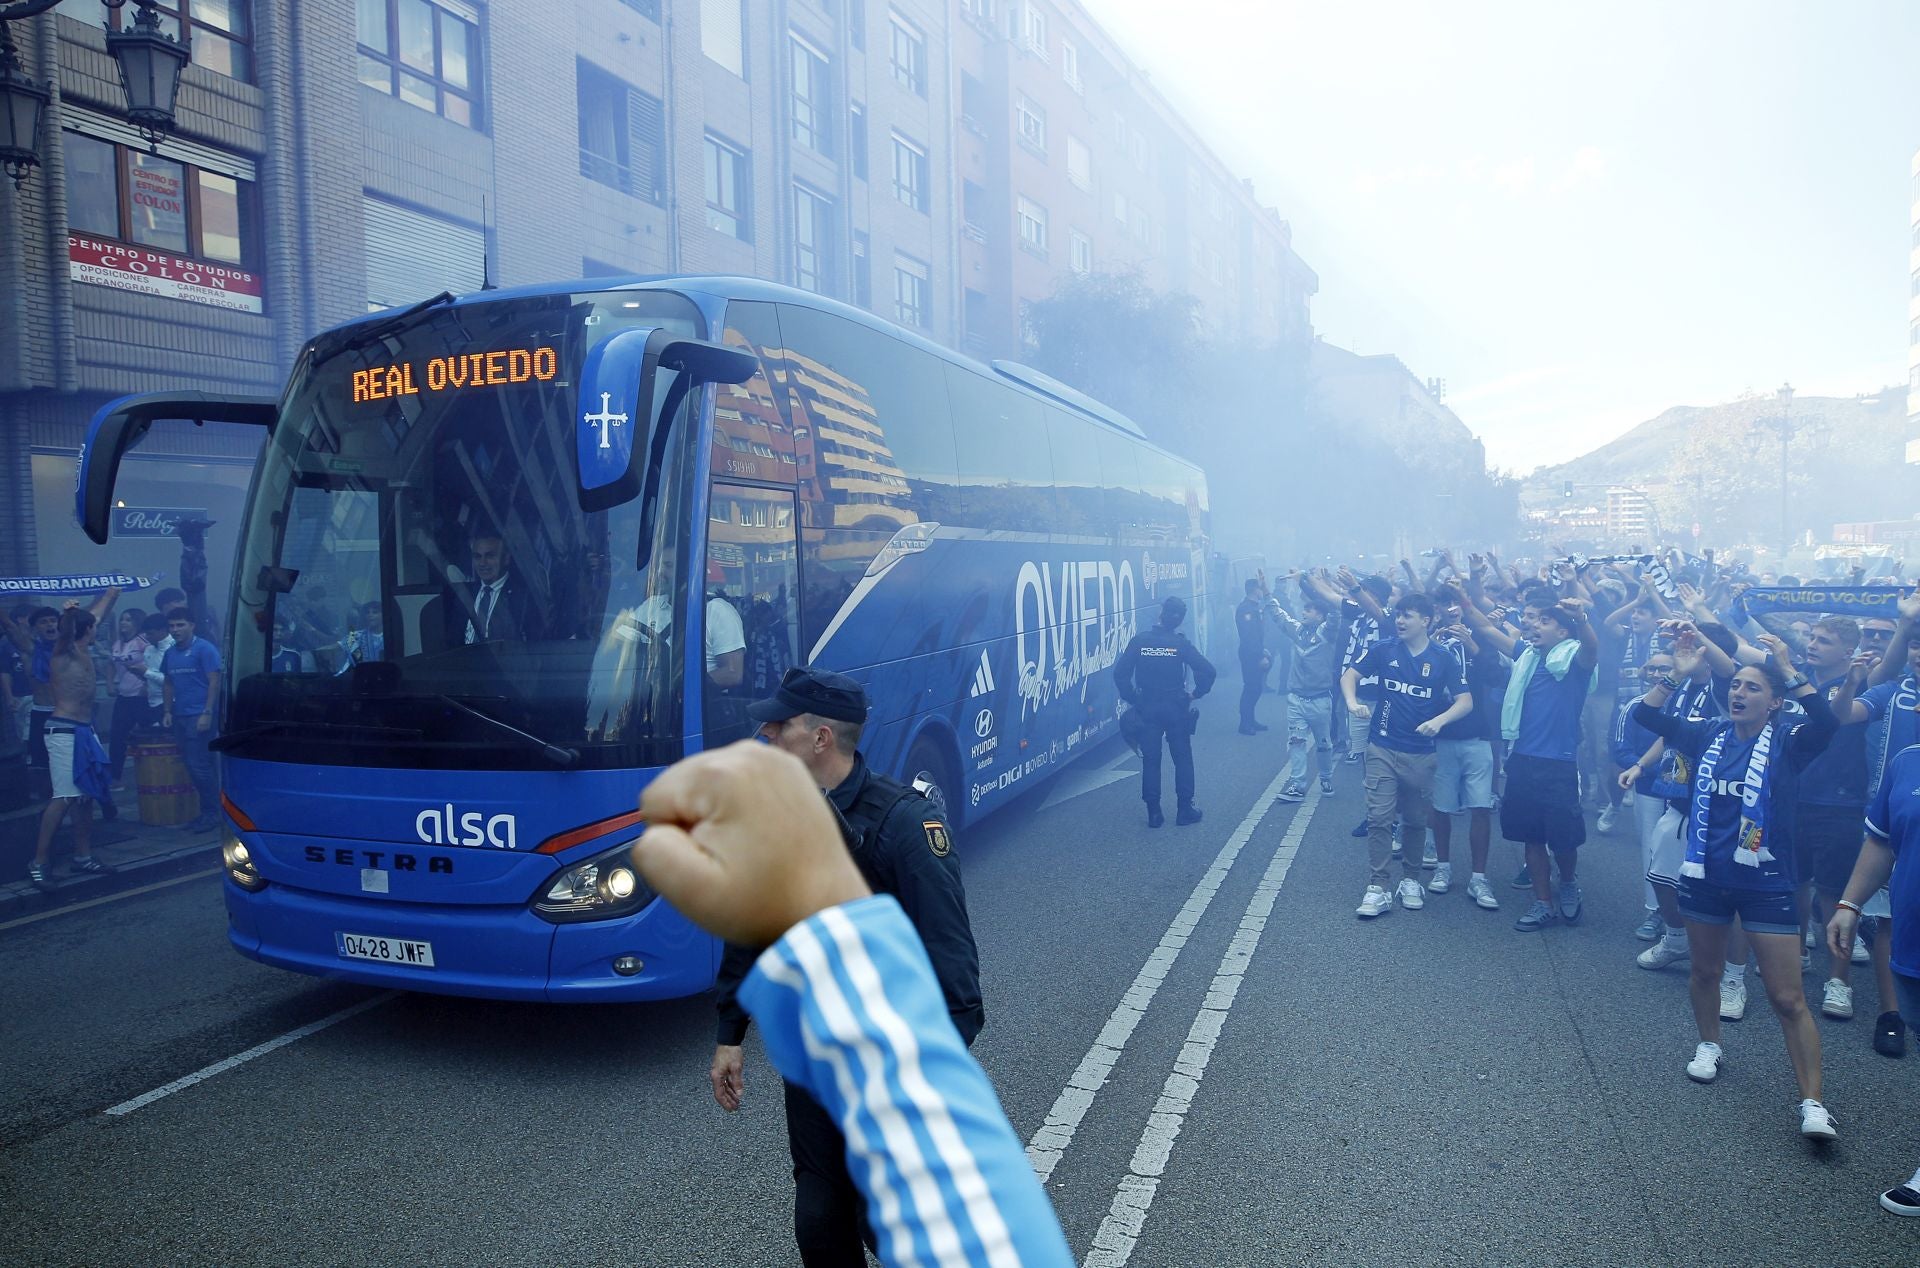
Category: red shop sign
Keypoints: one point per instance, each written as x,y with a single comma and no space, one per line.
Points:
104,262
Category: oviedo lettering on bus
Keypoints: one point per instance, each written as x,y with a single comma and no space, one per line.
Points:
1069,630
498,368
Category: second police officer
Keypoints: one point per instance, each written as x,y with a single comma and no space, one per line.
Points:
902,845
1151,676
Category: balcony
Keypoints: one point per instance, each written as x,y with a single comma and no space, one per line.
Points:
974,232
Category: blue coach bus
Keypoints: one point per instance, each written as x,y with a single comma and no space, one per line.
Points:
507,555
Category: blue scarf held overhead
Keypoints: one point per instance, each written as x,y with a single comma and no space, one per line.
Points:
1559,663
1755,799
42,668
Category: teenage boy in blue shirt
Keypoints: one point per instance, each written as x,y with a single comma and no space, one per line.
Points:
1421,689
192,667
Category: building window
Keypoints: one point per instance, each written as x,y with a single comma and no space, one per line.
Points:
1142,228
621,135
425,52
857,125
909,57
720,34
910,289
1120,206
221,31
134,196
1033,226
727,186
410,255
1033,31
809,96
1031,121
1079,163
1070,65
1079,252
857,23
812,240
909,173
862,269
978,10
973,108
649,9
973,209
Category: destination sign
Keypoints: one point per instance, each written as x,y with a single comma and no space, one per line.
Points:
499,368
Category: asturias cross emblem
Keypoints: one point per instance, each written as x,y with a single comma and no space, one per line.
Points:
605,420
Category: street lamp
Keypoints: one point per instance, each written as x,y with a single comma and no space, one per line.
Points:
149,61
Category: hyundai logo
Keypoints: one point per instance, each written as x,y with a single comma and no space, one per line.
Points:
983,723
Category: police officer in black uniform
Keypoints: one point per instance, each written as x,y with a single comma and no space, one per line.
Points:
903,847
1152,677
1250,621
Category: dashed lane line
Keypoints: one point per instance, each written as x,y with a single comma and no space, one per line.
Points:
1049,1143
106,898
241,1058
1126,1219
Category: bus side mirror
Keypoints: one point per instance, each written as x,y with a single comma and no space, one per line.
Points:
615,408
118,426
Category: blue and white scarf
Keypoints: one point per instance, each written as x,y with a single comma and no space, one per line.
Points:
1751,849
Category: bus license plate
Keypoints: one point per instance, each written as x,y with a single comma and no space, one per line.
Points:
361,946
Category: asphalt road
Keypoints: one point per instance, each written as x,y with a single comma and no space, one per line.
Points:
1288,1085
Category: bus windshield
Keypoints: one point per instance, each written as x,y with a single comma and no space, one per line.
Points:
418,586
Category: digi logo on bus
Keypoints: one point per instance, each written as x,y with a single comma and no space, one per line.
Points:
499,368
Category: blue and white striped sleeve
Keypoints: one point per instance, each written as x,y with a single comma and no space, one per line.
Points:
849,1009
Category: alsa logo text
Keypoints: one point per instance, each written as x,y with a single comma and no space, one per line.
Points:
443,826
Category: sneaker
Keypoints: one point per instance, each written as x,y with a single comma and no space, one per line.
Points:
1538,917
1901,1200
1429,858
1570,901
1442,879
90,866
1186,816
1705,1066
1523,879
1860,953
1890,1035
1815,1122
1326,785
1661,954
1292,793
1836,1000
1412,895
1261,726
1652,928
38,876
1360,831
1353,758
1375,902
1604,823
1154,817
1481,891
1733,998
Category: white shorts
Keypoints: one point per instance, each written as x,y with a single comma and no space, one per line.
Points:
1669,850
60,763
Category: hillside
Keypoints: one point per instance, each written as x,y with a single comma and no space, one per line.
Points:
1720,465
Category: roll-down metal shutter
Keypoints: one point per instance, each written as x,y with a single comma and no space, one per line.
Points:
411,255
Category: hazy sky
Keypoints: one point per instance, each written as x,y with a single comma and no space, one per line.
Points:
1576,214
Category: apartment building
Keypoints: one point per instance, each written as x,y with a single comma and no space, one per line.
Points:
1913,316
942,163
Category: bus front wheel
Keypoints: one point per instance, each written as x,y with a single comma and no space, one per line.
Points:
930,772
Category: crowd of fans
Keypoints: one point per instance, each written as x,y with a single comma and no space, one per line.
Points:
1758,735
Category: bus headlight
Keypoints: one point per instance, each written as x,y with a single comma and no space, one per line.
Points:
601,888
239,862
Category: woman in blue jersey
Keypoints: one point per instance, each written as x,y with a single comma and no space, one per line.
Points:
1739,859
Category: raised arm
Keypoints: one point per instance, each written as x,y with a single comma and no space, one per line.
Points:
1894,662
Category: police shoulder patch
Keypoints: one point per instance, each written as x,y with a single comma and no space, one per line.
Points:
937,839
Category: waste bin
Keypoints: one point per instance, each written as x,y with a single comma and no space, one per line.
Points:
167,798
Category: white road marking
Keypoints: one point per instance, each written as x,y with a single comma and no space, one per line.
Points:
241,1058
109,898
1133,1199
1050,1143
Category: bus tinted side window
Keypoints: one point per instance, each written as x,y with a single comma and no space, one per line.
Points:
874,443
1126,500
1163,481
1080,508
1001,446
751,438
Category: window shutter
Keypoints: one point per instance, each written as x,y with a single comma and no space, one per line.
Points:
646,141
411,255
720,33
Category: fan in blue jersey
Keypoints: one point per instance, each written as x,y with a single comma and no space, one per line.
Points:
1739,857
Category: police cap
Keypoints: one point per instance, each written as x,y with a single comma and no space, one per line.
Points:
815,691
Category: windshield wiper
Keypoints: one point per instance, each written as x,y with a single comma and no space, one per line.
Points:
561,757
234,739
379,330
